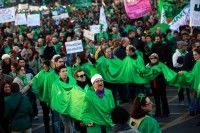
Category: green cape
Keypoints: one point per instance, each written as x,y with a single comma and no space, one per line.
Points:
38,83
98,110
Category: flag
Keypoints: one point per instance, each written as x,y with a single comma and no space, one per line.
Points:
102,19
172,7
137,8
182,18
194,13
163,18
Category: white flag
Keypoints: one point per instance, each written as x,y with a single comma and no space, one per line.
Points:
163,18
102,19
182,18
194,13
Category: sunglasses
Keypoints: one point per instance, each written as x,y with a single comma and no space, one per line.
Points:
81,76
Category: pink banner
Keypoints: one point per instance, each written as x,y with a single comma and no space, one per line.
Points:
137,8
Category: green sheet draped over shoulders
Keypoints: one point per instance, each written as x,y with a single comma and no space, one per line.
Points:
121,71
38,83
61,95
98,110
49,80
193,77
149,125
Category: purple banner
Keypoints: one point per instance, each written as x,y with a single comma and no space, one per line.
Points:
137,8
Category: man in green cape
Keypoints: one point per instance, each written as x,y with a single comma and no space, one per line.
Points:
61,98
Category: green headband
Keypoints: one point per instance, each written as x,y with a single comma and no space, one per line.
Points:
140,96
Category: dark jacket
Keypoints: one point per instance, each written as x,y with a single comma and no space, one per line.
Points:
22,118
158,82
49,52
189,61
1,107
120,52
124,128
160,49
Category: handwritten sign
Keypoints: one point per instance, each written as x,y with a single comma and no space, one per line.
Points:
88,34
74,46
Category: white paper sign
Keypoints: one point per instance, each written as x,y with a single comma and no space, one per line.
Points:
95,29
7,15
88,34
22,6
195,12
56,19
33,20
34,8
64,15
20,19
74,46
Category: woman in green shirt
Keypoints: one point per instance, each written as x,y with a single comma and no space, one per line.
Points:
140,119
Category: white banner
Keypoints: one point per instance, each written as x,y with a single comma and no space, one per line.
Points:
194,12
88,34
7,15
95,29
20,19
102,19
33,20
182,18
74,46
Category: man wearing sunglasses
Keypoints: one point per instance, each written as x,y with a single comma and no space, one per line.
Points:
81,78
82,82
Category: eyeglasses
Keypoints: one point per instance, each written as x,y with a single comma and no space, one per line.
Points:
152,58
81,76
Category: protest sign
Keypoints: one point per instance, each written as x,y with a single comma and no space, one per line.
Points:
74,46
95,29
34,8
20,19
88,34
33,20
23,6
7,15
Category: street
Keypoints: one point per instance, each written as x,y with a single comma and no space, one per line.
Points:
178,121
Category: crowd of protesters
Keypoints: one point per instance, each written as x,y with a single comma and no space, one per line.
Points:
25,51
